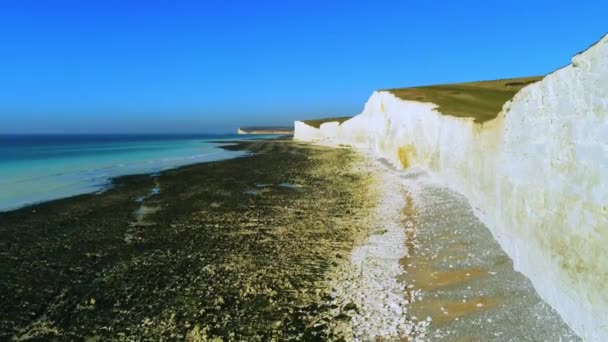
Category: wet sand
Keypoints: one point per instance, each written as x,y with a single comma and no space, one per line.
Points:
455,283
467,283
190,254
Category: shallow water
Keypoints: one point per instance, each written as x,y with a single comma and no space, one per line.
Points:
265,187
44,167
288,185
143,210
253,192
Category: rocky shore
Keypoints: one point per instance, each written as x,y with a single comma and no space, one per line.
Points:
293,242
244,249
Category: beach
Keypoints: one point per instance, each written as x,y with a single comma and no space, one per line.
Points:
292,241
454,281
241,249
44,167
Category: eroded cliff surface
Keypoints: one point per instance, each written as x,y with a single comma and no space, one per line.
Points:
537,175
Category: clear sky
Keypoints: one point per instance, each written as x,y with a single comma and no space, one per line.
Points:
210,66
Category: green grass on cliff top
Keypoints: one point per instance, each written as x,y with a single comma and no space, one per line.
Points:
481,100
317,123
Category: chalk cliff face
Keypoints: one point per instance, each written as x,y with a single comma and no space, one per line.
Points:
538,175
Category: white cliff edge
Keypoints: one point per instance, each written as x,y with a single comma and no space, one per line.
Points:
537,175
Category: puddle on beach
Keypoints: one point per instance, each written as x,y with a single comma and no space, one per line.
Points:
446,312
287,185
427,279
253,192
262,187
153,192
144,210
461,278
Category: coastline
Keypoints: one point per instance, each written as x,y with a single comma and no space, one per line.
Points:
61,181
292,241
200,257
534,174
430,270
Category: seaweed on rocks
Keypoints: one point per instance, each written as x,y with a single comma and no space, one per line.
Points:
210,263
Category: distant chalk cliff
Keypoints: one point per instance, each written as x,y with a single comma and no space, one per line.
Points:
266,130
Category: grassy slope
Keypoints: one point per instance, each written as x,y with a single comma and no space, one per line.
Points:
481,100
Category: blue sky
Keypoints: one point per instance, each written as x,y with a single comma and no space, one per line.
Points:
210,66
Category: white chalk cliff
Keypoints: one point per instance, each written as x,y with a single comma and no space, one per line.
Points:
538,175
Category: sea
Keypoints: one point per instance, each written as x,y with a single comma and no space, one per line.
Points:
39,168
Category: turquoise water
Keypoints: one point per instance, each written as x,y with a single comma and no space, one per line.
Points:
39,168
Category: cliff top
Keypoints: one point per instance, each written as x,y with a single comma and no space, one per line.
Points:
317,123
481,100
265,130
